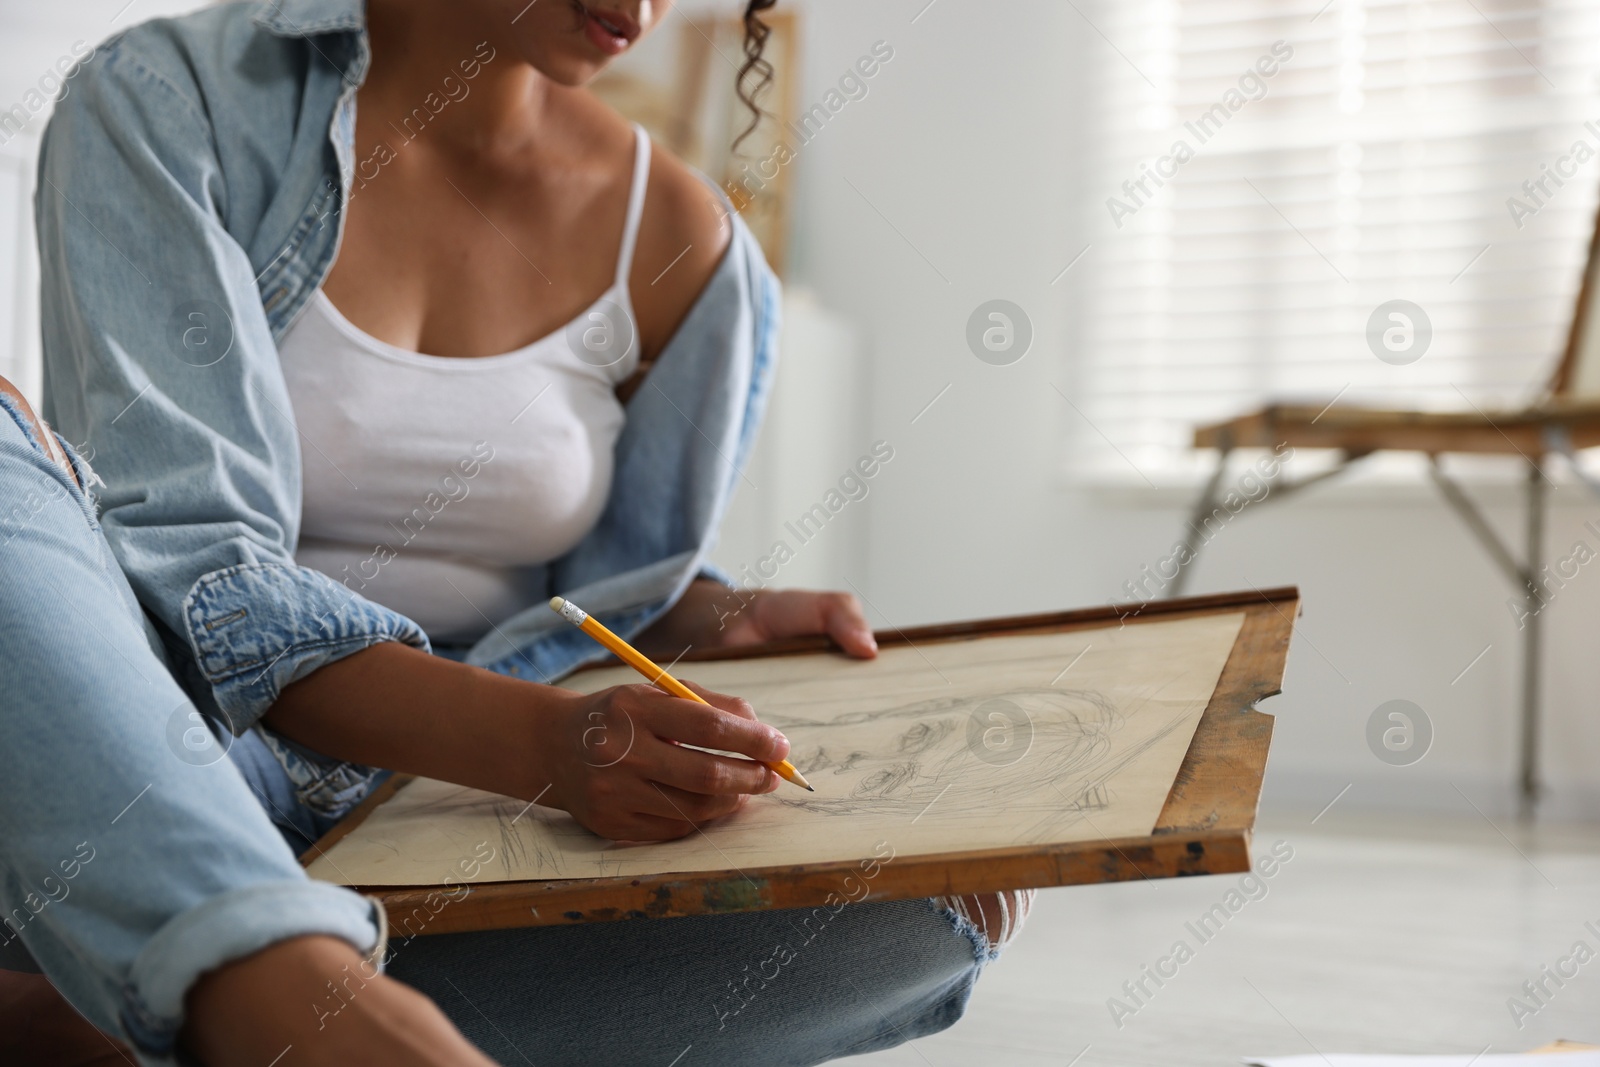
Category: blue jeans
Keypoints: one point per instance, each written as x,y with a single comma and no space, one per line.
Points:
752,988
133,858
137,851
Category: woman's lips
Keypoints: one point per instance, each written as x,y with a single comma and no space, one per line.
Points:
610,31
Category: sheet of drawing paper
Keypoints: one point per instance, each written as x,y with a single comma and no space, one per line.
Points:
938,747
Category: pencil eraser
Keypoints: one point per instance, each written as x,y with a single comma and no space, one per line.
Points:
568,610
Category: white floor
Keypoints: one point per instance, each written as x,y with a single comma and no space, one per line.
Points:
1377,936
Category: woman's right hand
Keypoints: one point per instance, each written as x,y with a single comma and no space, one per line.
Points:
617,760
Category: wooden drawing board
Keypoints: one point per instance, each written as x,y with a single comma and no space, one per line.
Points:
1203,827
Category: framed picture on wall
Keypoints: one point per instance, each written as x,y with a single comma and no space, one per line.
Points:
680,86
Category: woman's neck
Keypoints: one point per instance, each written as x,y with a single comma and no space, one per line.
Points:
475,95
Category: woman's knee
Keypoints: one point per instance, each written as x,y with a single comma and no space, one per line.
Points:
929,965
996,917
32,426
936,975
866,976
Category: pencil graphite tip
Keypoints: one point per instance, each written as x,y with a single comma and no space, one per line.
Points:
811,789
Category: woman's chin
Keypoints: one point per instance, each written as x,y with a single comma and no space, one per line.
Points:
570,68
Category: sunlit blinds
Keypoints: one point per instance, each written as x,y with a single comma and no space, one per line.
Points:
1313,163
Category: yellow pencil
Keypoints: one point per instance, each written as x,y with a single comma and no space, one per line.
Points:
658,675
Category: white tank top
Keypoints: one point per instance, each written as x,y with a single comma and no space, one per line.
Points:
432,484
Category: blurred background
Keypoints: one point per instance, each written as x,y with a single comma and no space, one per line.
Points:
985,158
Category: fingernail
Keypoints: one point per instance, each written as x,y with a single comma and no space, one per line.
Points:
777,740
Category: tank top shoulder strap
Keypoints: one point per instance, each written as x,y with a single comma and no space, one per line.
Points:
630,227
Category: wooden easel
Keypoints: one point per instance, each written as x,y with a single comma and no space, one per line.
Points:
1564,421
1204,828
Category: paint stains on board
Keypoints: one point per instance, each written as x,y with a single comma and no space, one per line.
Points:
737,894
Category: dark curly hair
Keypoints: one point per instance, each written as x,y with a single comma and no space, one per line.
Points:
756,74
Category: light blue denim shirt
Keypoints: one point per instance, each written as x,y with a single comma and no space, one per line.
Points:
190,202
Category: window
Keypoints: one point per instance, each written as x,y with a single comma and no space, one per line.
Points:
1274,171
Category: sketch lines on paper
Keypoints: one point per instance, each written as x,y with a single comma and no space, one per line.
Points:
1063,773
929,748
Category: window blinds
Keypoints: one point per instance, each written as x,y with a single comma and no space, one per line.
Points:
1271,172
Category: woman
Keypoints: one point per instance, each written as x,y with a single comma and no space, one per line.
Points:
342,301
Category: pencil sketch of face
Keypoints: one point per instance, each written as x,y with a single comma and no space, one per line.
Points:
1034,748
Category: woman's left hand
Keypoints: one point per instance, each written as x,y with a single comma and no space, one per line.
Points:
711,615
775,613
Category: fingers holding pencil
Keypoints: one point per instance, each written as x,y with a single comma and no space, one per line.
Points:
724,727
658,675
779,764
740,707
631,762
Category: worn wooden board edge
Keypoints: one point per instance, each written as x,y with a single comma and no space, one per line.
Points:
1044,622
504,905
1219,781
1204,828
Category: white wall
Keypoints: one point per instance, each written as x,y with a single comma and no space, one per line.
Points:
36,40
967,144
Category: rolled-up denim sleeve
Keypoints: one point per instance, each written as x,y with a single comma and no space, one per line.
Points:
229,927
160,363
256,627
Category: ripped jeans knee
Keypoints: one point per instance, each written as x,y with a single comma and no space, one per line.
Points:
997,916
